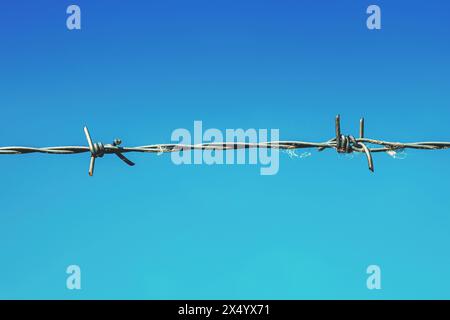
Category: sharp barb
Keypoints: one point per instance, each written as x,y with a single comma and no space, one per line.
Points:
361,128
91,166
338,130
368,155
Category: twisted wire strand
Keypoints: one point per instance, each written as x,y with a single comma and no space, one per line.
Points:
158,148
341,143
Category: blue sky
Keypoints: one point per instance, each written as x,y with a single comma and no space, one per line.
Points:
140,69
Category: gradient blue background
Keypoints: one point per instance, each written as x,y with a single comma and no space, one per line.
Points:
140,69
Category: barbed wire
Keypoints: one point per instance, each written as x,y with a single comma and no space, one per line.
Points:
341,143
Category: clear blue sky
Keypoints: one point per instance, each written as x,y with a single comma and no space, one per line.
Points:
140,69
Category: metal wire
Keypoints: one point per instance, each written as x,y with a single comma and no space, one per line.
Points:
341,143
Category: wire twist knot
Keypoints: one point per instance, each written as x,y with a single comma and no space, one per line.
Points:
348,144
98,150
345,144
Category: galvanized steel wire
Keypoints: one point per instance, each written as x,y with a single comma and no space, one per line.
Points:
341,143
